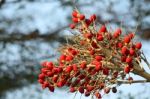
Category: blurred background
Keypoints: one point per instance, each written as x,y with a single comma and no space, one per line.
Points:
32,30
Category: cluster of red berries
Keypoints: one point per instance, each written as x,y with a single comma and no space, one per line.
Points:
94,62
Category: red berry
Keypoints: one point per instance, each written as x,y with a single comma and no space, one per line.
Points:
75,20
75,68
98,58
114,90
107,90
62,58
93,17
119,45
69,58
50,65
131,35
81,90
41,81
72,26
72,89
88,35
41,76
132,51
88,22
118,31
75,13
123,58
129,59
55,78
100,38
98,95
124,50
89,88
51,88
83,65
106,71
126,39
94,45
68,69
138,45
50,74
82,17
127,69
103,29
87,93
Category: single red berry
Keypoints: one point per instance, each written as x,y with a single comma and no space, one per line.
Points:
75,13
107,90
119,45
123,58
72,89
68,69
83,65
132,51
41,76
100,38
124,50
138,45
72,26
50,65
114,89
62,58
88,22
75,68
98,95
127,69
130,79
89,88
129,59
103,29
106,71
50,74
75,20
94,45
82,17
98,58
131,35
51,88
41,81
118,31
88,35
55,78
93,17
87,93
126,39
81,90
69,58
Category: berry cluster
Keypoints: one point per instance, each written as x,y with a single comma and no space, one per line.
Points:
94,62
